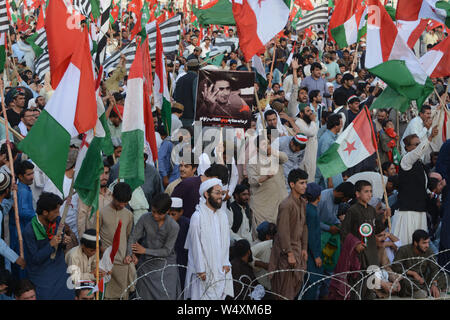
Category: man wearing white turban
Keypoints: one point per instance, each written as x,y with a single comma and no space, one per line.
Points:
208,275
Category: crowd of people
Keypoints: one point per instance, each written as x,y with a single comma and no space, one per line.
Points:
223,229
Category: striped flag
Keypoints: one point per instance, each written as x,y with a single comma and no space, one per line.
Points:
160,88
4,22
129,51
83,7
170,34
317,16
103,34
38,41
42,65
222,45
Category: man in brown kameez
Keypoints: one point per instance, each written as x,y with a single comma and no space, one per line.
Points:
123,272
291,241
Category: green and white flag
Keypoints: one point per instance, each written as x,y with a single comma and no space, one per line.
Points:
89,165
393,61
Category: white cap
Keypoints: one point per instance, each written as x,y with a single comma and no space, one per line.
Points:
177,203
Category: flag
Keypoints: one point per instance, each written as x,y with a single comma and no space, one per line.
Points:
137,120
296,19
89,164
216,60
261,77
304,4
215,12
11,12
115,11
42,65
170,34
289,59
100,54
135,7
2,51
409,25
346,21
251,18
392,60
411,31
4,22
38,41
128,51
414,10
47,144
317,16
70,111
222,45
161,91
436,62
352,146
133,126
106,263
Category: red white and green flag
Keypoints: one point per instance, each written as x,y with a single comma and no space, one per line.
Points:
160,88
414,10
436,62
258,21
72,109
392,60
115,11
352,146
348,21
137,123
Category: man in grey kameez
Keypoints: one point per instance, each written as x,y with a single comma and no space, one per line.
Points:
153,240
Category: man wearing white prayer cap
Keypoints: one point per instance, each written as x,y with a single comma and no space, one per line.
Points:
208,275
81,259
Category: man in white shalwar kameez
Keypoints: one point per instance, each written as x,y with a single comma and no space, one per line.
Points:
208,274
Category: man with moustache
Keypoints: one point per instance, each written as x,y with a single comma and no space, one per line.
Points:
208,274
421,268
39,242
85,219
187,170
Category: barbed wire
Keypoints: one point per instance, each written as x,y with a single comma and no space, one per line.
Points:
248,285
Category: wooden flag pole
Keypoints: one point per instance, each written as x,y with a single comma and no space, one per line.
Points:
97,253
257,102
63,219
355,59
14,132
13,178
379,165
384,188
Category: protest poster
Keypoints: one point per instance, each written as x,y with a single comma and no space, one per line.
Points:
225,98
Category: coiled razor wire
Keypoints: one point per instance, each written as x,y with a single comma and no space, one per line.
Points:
249,285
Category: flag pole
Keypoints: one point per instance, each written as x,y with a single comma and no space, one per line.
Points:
355,59
64,215
14,132
257,102
13,179
97,253
386,200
